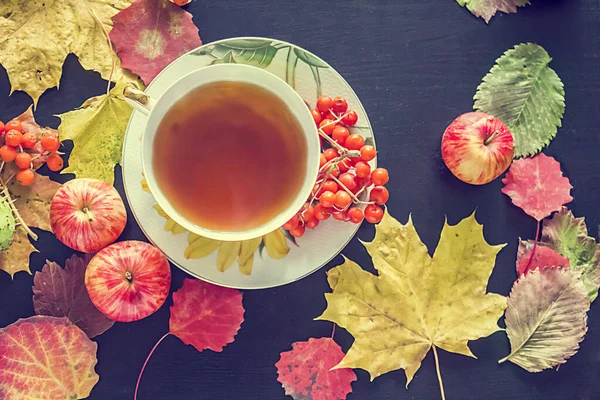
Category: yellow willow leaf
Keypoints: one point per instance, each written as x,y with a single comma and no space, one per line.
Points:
201,248
246,267
97,130
276,244
170,224
246,255
37,36
192,237
228,252
416,303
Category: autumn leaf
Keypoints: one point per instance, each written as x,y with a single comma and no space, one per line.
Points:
306,371
486,9
569,236
537,186
526,94
544,257
97,130
416,303
61,292
7,224
16,258
546,318
150,34
37,36
46,358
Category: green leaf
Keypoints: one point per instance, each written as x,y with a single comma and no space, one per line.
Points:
486,9
310,59
290,68
246,44
7,224
260,56
526,94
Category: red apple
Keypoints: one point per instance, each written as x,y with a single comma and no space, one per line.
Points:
477,148
87,214
128,281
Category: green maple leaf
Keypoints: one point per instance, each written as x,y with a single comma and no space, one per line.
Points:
526,94
486,9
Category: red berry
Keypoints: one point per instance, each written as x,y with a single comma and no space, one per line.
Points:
363,170
340,105
380,176
312,223
292,223
367,153
354,142
324,103
25,177
345,165
54,162
330,154
322,213
340,134
298,231
50,143
373,213
342,199
13,138
349,181
350,118
308,212
379,194
23,160
336,172
28,140
355,215
327,126
14,124
322,160
316,116
329,186
327,199
340,215
8,153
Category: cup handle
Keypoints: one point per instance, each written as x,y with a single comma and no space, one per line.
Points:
138,99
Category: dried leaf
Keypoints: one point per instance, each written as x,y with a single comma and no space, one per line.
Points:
486,9
544,257
537,186
37,36
7,224
526,94
33,201
61,292
150,34
97,130
46,358
306,371
16,258
569,236
546,318
30,126
416,301
206,316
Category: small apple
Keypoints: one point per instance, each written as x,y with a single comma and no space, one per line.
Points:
87,214
477,148
128,281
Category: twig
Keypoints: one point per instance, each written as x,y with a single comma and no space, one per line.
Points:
137,385
354,198
439,374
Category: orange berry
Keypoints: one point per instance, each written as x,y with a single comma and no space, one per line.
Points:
373,213
324,103
327,126
14,124
28,140
316,116
355,215
380,176
7,153
367,153
23,160
330,154
354,142
363,170
50,143
379,194
298,231
322,160
54,162
13,138
342,199
327,199
340,134
312,223
25,177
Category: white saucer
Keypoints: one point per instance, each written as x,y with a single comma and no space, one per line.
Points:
310,76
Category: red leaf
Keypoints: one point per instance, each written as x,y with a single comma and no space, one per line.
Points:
306,371
537,185
543,258
150,34
206,316
46,358
61,292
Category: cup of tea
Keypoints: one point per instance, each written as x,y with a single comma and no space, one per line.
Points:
230,152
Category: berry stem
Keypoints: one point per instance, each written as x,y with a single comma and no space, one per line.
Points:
137,385
537,234
354,198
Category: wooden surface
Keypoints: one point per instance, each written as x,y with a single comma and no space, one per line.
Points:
415,64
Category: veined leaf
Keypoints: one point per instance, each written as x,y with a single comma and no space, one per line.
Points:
260,56
310,59
486,9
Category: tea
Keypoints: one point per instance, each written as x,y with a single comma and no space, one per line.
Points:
230,156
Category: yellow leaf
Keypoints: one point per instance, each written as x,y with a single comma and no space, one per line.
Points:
248,248
228,252
276,244
37,36
145,186
97,130
201,247
246,265
33,201
16,257
170,224
416,302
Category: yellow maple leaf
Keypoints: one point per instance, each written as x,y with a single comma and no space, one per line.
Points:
16,257
417,302
97,130
37,36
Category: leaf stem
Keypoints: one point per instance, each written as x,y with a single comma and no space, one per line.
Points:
537,234
137,385
439,375
333,331
110,46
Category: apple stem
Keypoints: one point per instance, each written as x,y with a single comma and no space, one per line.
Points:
490,138
128,276
537,234
146,362
86,211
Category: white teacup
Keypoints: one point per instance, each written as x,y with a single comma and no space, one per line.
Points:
156,109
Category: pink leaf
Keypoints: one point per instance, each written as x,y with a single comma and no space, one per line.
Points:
306,371
150,34
206,316
543,258
61,292
537,185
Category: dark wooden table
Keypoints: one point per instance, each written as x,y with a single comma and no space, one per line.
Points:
415,64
